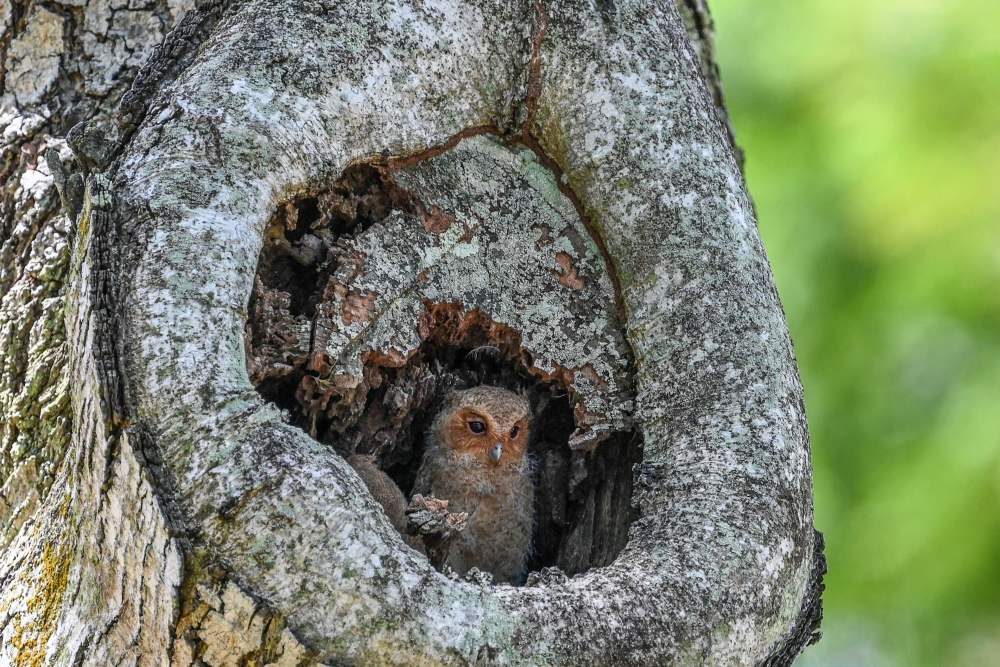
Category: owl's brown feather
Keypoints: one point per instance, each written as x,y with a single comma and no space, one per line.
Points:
496,491
475,457
386,493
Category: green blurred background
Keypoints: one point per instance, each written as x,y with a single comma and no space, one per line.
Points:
872,135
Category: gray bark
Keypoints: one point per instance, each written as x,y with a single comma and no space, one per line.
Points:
155,509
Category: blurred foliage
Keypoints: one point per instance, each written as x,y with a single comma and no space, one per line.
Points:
872,135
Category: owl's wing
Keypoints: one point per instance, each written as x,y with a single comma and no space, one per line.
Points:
382,488
388,495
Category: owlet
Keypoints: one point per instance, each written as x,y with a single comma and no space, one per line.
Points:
475,457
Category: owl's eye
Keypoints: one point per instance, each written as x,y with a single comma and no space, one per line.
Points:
477,427
513,431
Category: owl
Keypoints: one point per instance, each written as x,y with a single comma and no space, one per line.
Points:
388,495
475,457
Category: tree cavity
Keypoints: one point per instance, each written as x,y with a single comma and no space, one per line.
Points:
384,406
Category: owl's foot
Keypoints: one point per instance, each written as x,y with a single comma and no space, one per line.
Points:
429,518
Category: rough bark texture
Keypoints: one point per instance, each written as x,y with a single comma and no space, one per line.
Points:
701,32
155,509
85,557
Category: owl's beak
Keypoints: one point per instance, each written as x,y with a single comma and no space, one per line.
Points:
496,451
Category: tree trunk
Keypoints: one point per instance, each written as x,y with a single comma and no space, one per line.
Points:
563,182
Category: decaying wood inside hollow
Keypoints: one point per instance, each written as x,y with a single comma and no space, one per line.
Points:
583,496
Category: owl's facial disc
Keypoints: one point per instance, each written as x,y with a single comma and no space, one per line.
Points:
490,432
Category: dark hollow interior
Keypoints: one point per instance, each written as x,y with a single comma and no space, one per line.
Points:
582,499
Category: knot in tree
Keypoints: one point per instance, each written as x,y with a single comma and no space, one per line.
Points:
422,332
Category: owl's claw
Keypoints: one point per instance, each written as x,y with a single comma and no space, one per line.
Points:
429,518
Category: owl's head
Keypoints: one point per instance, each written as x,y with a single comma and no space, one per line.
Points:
489,423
